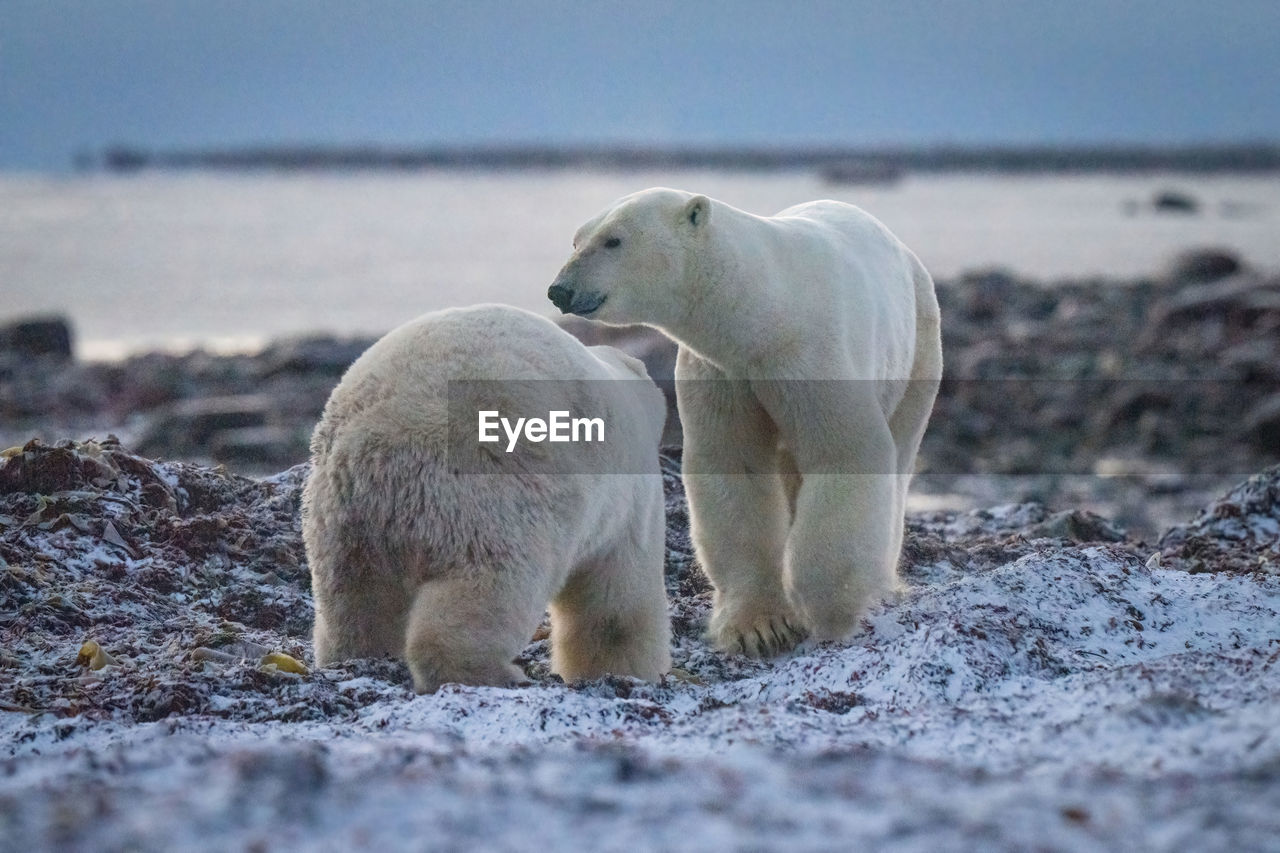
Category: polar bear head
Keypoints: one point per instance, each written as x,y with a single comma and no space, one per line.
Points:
630,261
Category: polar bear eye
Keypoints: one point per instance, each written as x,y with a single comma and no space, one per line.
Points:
612,243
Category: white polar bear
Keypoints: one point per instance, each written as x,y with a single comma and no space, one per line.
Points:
797,484
425,542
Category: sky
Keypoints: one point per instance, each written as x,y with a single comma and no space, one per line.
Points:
79,75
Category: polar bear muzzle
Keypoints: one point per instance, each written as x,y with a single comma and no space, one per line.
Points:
570,301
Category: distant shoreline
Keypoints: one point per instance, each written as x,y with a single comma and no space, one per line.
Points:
838,164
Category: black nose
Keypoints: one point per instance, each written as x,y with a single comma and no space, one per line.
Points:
561,297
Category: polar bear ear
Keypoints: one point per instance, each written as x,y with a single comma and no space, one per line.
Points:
697,211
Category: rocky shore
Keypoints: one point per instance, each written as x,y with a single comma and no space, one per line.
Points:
1084,658
1045,680
1137,399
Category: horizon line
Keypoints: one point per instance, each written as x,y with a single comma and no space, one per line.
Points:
854,163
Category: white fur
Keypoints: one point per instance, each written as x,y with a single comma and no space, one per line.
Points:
797,487
413,553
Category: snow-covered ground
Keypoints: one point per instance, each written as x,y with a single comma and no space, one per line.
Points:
1042,683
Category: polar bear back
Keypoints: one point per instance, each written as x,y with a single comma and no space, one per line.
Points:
406,373
854,276
400,386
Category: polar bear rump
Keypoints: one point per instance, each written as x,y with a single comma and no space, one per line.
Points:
452,568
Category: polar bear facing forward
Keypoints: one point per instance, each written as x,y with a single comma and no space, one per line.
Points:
821,331
426,543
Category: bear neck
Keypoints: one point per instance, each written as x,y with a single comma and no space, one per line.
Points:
730,316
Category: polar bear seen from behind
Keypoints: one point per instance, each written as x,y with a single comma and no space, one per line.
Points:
427,544
810,356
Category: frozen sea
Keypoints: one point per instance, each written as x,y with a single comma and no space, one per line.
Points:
175,260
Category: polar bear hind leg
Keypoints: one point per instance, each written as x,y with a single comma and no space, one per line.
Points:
611,617
839,555
911,416
468,626
353,619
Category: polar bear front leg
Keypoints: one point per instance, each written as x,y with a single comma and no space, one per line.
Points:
738,509
842,551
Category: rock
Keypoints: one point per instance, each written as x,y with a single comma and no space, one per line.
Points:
42,469
257,446
1202,266
1253,360
1262,425
1076,526
1237,532
149,381
1224,313
188,426
1174,201
980,296
38,336
1131,401
319,354
213,655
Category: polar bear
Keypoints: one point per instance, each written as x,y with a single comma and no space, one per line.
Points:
426,542
826,328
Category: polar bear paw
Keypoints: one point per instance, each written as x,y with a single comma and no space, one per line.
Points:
428,678
756,634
